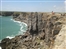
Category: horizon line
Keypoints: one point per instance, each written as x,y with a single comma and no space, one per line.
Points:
32,1
28,11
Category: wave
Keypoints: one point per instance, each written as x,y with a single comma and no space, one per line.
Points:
15,21
0,48
22,25
19,22
0,42
10,37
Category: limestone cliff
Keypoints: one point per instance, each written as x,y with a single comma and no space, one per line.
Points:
60,41
41,33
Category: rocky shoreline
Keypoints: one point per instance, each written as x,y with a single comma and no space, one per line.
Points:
43,29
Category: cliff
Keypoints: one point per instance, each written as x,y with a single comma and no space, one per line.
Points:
4,13
41,33
39,22
60,41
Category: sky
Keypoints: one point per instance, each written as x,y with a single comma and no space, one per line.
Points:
33,5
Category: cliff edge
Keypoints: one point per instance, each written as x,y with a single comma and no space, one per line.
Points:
43,32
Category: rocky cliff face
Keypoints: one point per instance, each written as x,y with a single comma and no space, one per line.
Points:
41,33
41,23
60,41
37,22
4,13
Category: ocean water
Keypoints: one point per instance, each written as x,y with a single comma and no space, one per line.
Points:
10,28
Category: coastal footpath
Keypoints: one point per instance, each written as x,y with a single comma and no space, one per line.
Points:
42,33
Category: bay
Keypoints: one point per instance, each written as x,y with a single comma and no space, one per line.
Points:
10,27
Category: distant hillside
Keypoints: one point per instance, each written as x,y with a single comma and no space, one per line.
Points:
9,13
3,13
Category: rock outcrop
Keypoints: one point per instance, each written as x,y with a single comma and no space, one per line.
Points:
41,33
60,41
4,13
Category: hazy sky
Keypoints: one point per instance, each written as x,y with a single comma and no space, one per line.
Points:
33,5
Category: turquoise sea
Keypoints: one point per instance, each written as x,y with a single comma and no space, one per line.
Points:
10,28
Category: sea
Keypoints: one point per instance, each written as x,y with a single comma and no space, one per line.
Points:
9,27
